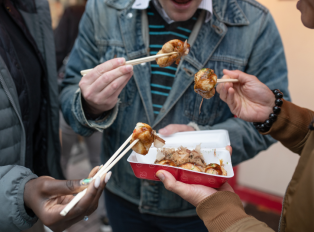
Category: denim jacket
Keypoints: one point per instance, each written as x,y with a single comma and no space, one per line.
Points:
241,35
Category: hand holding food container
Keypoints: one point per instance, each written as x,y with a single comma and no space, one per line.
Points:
198,157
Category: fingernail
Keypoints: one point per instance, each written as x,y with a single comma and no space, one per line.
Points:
160,175
121,61
100,167
108,177
85,182
97,182
128,68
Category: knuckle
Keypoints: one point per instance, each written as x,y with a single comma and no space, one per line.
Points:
98,70
70,185
115,86
168,186
82,84
115,62
45,186
88,95
105,78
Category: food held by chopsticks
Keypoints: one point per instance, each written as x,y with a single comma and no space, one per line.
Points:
146,136
205,82
188,159
176,45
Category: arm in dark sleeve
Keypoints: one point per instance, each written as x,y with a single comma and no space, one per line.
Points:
292,126
223,211
13,216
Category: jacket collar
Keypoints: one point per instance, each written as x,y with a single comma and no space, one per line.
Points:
226,11
120,4
229,12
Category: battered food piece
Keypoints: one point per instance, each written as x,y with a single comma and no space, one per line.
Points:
181,156
167,163
175,45
188,159
147,136
205,82
215,169
190,166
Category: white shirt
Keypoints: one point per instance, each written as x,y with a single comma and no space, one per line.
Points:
143,4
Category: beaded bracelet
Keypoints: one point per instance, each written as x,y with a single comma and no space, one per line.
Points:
265,126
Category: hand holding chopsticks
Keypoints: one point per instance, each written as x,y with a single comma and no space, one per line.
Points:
109,164
137,61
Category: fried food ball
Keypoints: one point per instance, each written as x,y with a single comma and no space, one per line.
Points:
146,136
215,169
205,82
175,45
166,162
191,166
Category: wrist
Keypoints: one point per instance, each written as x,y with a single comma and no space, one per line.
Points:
27,194
275,110
91,111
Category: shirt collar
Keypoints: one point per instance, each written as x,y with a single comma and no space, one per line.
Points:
143,4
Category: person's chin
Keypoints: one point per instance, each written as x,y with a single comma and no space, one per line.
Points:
307,23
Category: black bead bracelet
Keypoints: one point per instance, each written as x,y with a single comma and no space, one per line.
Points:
265,126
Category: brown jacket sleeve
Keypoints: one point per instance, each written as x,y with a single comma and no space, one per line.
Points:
223,211
292,126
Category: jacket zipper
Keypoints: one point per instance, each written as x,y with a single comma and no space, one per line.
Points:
7,92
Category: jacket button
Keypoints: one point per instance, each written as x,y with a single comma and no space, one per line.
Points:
162,110
217,29
189,72
143,64
129,15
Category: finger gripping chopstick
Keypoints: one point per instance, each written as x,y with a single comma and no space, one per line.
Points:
108,165
137,61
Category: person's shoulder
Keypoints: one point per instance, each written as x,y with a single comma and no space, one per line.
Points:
252,5
109,5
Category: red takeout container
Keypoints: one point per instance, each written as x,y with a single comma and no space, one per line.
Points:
212,141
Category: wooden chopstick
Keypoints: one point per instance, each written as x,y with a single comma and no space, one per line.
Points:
108,165
137,61
227,80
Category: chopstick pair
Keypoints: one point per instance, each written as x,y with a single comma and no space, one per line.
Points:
152,58
137,61
107,166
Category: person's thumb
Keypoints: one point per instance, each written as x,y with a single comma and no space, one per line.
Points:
232,74
170,182
241,76
226,187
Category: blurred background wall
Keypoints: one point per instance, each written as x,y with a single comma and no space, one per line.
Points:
274,168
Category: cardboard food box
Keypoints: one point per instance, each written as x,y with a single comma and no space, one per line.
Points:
212,141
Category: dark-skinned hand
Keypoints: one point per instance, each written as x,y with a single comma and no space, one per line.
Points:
47,197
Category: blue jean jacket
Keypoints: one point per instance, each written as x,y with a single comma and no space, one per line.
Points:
241,35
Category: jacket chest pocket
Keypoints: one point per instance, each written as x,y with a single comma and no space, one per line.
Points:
212,110
127,94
